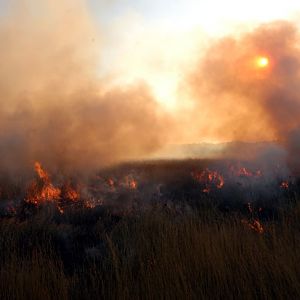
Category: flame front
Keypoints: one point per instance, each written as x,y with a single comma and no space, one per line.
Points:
42,190
69,193
43,175
209,179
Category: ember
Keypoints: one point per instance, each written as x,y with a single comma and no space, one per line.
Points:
254,225
284,185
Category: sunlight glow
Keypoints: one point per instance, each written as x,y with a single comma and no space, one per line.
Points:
152,41
262,61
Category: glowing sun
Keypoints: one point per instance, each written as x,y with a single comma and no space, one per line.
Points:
262,61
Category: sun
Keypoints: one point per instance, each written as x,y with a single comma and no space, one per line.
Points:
262,61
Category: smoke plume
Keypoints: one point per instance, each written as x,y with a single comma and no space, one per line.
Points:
238,100
53,108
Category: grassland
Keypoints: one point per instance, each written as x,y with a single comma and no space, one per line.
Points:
197,249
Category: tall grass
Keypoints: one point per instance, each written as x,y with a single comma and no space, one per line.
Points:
159,254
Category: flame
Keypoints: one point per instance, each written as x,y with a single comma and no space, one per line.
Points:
130,183
127,182
42,189
43,175
69,193
133,184
60,209
244,172
255,225
209,179
37,195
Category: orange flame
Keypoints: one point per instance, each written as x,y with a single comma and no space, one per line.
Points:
42,189
254,225
68,193
131,183
43,175
209,178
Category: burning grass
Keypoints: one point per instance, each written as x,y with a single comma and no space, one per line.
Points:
150,231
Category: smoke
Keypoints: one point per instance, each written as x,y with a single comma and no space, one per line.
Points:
53,106
238,100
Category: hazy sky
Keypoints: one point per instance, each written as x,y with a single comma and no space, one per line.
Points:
157,43
210,14
127,78
152,41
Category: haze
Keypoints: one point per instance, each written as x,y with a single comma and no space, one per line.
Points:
89,83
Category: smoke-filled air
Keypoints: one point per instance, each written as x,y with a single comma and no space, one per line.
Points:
54,107
247,86
149,149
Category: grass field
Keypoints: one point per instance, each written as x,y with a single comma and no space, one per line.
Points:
171,250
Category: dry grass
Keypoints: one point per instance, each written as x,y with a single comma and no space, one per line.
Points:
203,254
